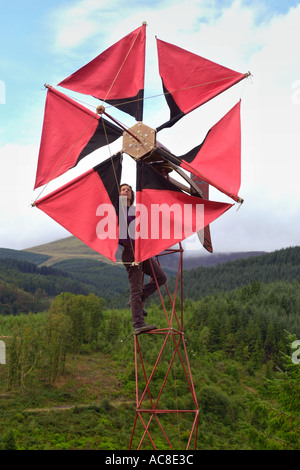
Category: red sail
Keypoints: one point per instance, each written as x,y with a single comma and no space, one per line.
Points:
117,75
88,207
218,159
165,215
190,80
70,132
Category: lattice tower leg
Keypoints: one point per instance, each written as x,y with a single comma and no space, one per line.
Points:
155,416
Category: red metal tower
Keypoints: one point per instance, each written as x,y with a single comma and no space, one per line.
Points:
153,419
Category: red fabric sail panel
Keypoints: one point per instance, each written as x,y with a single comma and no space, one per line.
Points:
116,75
190,80
166,215
88,207
70,132
218,159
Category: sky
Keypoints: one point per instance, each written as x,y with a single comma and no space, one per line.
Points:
44,42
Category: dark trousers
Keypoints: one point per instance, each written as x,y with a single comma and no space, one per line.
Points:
138,291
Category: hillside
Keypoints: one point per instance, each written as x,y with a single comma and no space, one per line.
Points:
238,329
69,383
28,286
280,265
21,255
65,248
24,287
71,248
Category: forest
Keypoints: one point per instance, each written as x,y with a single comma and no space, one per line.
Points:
69,379
26,287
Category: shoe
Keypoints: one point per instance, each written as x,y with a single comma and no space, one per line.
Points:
144,328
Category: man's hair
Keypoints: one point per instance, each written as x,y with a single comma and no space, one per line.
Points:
132,192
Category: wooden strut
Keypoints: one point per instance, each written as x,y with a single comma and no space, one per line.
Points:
101,110
176,335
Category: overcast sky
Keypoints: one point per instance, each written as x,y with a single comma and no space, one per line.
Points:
44,42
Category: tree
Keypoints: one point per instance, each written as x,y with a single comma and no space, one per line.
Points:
85,314
58,343
8,441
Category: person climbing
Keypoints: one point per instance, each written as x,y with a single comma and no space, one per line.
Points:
135,271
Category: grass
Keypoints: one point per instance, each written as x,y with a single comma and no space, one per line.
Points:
66,248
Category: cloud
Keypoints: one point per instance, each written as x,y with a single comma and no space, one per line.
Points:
20,224
275,71
82,20
74,24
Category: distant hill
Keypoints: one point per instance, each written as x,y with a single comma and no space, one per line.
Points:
279,265
21,255
69,266
31,278
43,283
71,248
24,287
192,260
65,248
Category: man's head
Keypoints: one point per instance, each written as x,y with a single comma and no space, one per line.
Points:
127,191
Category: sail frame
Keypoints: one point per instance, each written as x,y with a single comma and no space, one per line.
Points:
224,138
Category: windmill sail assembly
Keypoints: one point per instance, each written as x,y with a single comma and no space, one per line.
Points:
88,206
